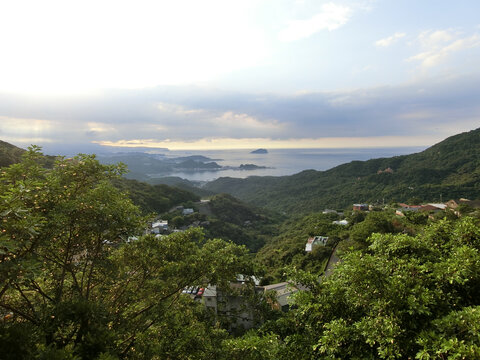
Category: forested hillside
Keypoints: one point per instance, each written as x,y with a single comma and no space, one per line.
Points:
223,216
154,198
150,198
243,224
9,154
450,169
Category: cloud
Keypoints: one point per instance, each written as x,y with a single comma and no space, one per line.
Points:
178,122
234,120
125,45
389,40
95,128
331,17
172,116
178,109
17,126
438,46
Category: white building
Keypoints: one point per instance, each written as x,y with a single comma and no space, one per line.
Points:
314,241
187,211
159,226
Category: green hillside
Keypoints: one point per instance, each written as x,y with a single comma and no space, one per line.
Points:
9,154
150,198
449,169
154,198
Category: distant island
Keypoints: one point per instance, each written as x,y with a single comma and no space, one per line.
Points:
193,165
251,167
259,151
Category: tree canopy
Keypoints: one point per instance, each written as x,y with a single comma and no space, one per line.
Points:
73,286
403,297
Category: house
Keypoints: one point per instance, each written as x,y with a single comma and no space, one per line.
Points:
282,295
329,211
405,207
387,170
231,305
439,206
454,204
187,211
343,222
159,226
360,207
314,241
433,207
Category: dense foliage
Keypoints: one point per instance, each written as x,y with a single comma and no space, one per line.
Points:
243,224
225,217
154,198
71,286
402,297
288,247
9,154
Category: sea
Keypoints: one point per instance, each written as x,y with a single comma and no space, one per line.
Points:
280,162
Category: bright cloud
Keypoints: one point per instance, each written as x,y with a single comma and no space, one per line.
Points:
223,123
15,125
233,120
57,46
389,40
440,45
331,17
178,109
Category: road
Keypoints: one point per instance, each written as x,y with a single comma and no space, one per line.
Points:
332,261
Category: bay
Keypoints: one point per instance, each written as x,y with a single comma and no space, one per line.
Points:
280,162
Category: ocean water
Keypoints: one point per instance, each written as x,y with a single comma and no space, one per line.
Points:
281,162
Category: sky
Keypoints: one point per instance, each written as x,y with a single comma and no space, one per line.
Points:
88,76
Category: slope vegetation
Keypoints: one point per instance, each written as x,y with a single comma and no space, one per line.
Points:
9,154
150,198
449,169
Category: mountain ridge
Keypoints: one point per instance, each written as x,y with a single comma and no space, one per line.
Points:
9,154
449,169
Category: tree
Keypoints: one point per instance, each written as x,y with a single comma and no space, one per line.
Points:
58,227
375,222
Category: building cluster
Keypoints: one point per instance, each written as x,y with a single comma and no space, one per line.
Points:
453,205
231,303
403,208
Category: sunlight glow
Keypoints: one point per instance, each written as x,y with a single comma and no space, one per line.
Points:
252,143
64,46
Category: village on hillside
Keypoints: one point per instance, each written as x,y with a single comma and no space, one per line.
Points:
232,303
